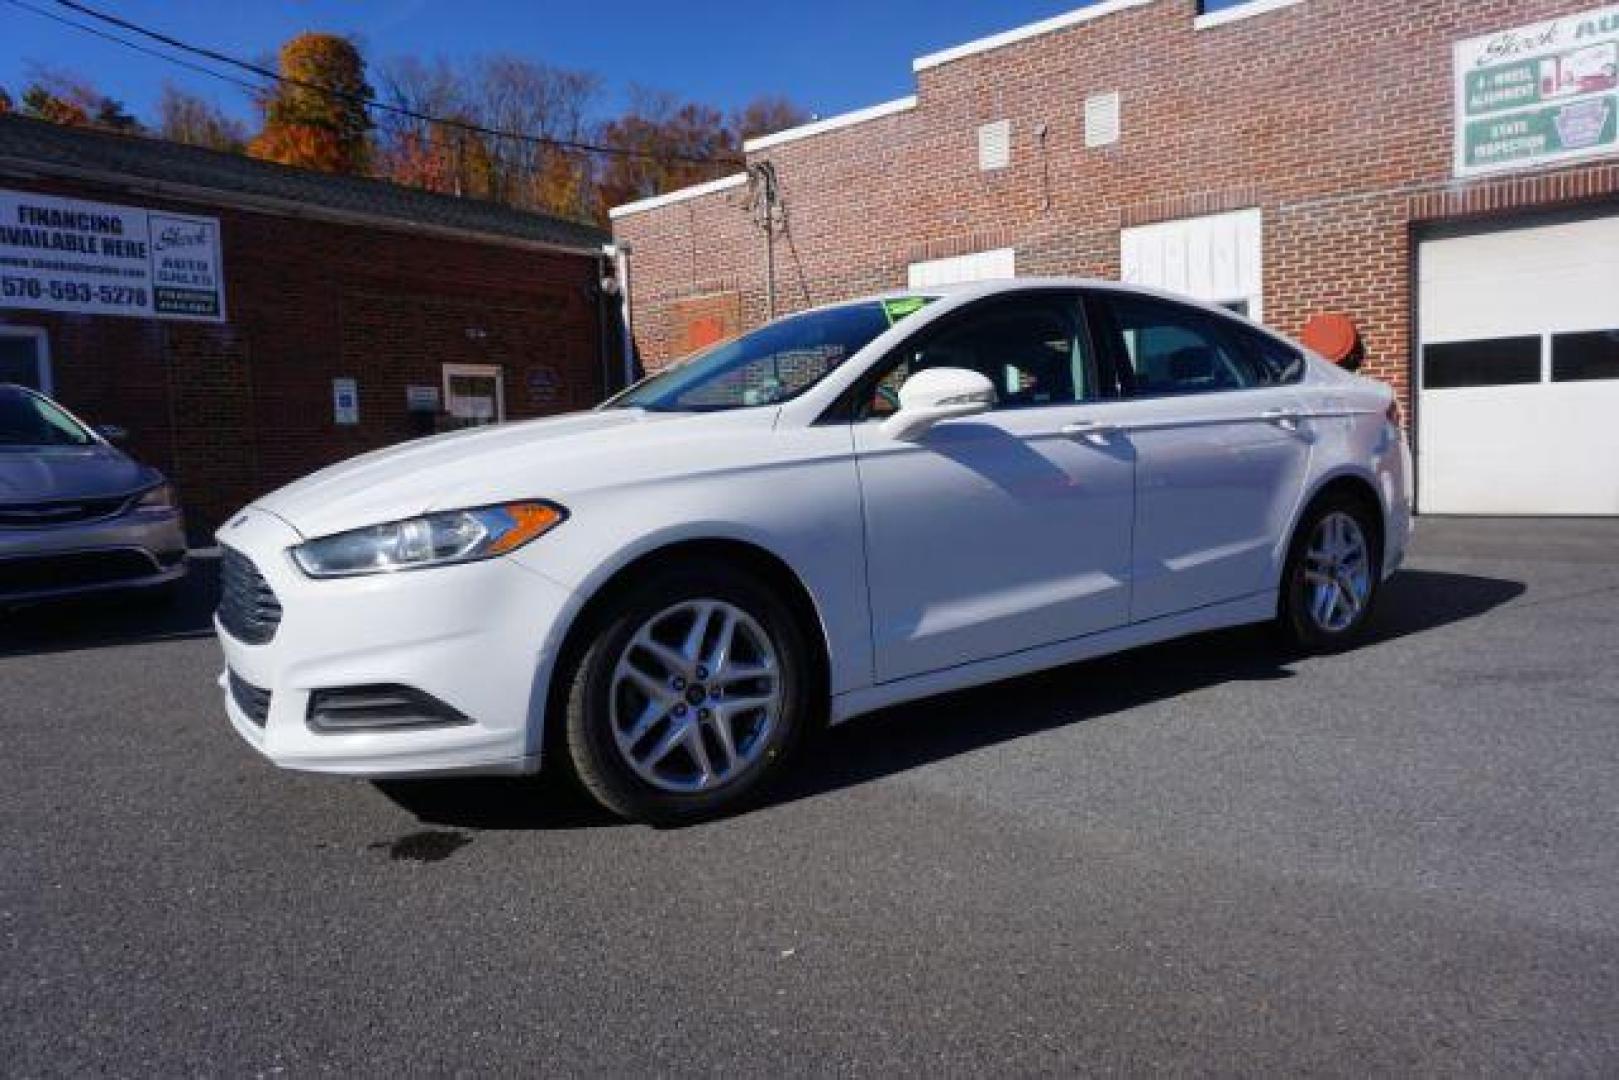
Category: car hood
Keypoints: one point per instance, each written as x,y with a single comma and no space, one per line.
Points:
535,459
58,473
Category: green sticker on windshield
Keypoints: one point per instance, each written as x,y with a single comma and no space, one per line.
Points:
899,309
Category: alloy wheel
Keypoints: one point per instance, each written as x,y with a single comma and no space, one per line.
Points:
696,695
1337,572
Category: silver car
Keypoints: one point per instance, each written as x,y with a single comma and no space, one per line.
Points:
77,515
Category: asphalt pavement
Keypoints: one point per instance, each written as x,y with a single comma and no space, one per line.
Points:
1200,857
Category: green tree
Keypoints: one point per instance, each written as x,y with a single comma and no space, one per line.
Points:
316,120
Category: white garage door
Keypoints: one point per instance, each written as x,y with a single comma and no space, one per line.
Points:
1518,404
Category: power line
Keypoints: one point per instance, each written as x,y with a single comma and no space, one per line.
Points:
341,95
178,61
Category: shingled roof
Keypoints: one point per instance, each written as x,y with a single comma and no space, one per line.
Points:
53,150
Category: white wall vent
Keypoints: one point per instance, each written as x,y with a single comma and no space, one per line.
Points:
995,146
1102,119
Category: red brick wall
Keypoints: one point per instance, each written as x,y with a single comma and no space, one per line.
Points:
1332,116
232,410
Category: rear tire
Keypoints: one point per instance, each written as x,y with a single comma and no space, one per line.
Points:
1332,576
690,695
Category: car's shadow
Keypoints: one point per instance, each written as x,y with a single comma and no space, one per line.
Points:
130,617
917,733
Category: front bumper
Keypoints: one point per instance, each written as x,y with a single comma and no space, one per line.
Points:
472,636
131,551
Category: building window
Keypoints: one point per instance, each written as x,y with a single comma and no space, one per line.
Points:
1586,356
1102,119
1492,362
1219,12
995,146
474,394
25,358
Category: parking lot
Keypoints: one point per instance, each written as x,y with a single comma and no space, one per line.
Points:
1197,857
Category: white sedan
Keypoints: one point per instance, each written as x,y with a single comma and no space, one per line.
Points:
860,505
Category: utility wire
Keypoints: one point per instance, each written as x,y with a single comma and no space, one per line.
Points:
354,99
243,84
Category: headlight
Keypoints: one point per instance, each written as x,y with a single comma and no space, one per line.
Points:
455,536
160,499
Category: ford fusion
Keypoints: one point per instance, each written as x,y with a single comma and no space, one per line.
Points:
864,504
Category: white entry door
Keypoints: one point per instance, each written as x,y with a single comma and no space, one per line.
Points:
1518,371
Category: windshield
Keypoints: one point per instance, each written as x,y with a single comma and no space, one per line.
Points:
29,420
773,363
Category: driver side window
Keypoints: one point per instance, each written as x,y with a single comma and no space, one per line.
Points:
1033,349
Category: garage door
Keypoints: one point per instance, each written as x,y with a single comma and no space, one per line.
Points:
1518,393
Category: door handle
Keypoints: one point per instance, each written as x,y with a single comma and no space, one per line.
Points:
1287,419
1094,431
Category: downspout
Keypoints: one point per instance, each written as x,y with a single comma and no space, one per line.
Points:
620,254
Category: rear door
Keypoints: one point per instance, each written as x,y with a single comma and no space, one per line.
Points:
1213,417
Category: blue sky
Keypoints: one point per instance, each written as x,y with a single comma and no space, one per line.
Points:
829,55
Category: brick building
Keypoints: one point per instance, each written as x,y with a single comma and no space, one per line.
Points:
1442,172
301,319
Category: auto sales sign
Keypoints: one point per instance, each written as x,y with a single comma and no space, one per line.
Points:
94,258
1540,94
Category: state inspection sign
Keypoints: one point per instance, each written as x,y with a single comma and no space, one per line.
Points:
1539,94
94,258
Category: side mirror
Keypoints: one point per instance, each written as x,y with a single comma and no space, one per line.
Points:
114,434
938,394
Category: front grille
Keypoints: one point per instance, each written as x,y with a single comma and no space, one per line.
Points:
255,703
60,512
248,607
74,570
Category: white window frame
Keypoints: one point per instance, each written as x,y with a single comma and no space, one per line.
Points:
478,371
42,352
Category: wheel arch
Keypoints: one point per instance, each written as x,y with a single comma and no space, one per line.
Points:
768,565
1347,482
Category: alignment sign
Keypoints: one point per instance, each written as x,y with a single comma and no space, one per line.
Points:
1538,94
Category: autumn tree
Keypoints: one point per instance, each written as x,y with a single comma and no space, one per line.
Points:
315,118
62,97
766,115
184,117
663,144
5,102
495,94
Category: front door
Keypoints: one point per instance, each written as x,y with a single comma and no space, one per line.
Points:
1222,448
1002,532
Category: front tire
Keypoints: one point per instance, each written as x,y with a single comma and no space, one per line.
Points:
691,694
1331,579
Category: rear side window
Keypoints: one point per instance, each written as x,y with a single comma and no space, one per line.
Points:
1165,348
1275,362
